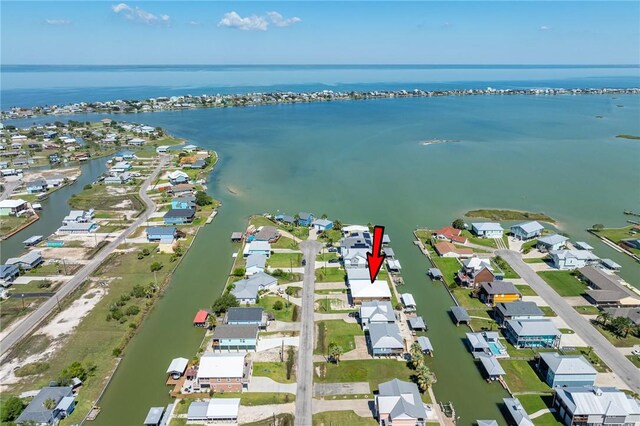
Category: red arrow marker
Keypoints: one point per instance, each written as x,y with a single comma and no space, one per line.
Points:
376,258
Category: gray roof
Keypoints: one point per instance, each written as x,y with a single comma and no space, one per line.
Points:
37,182
321,222
500,287
417,323
460,313
517,412
154,416
304,215
425,343
385,335
29,258
534,327
519,308
554,239
487,226
266,233
244,314
236,331
377,311
256,260
590,400
529,227
607,287
36,411
180,213
632,313
477,341
435,272
388,251
582,245
161,230
491,365
406,393
487,423
567,364
610,264
197,409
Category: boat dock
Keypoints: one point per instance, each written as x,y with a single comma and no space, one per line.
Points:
211,216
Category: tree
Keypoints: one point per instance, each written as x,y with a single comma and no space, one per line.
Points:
458,224
132,310
203,199
424,378
155,266
138,291
224,302
598,227
324,216
603,317
212,322
239,272
335,352
11,409
49,403
622,326
337,225
278,305
417,357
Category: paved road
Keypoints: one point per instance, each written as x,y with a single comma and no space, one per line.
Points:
8,189
304,391
605,350
34,319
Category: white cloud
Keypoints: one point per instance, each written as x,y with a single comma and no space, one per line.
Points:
194,23
544,28
139,15
249,23
57,21
256,23
279,21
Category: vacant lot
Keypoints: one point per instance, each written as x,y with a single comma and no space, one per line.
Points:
564,283
336,331
331,418
522,378
374,371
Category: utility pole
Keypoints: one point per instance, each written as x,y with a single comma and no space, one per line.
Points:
64,264
58,300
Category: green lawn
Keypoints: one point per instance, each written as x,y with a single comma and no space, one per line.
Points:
285,419
9,223
528,246
326,305
548,312
258,398
374,371
336,331
534,260
334,418
587,310
635,359
622,342
448,266
503,214
99,198
488,242
332,235
285,260
522,378
285,243
617,234
325,257
284,314
526,290
564,283
506,268
547,419
327,275
274,370
533,403
463,296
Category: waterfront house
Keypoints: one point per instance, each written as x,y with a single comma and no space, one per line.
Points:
425,345
526,230
355,275
189,148
79,216
517,310
376,312
49,406
487,229
491,366
136,141
235,337
162,149
572,259
305,219
128,155
552,242
596,406
177,177
385,339
183,203
179,216
398,403
177,367
499,291
486,342
54,181
161,234
447,249
27,261
245,316
257,247
449,233
181,190
246,290
223,373
541,333
78,228
354,258
475,271
214,410
200,320
517,412
366,291
8,273
121,179
36,186
120,167
565,370
255,263
285,218
267,233
13,207
606,290
197,164
322,225
4,164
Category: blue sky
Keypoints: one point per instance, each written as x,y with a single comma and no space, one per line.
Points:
307,32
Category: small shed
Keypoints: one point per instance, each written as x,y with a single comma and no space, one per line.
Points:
417,323
177,367
425,345
460,315
200,320
435,273
154,416
236,237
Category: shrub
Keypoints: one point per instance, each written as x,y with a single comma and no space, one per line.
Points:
224,302
87,187
44,284
132,310
32,369
278,305
116,352
116,314
239,272
137,291
11,408
155,266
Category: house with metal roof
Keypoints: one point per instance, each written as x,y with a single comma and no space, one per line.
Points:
487,229
526,230
63,404
399,403
27,261
177,367
246,290
517,310
187,202
179,216
223,372
597,405
356,275
214,410
517,412
78,228
362,291
36,186
491,366
235,337
255,263
551,242
305,219
572,259
8,273
499,292
606,290
376,312
267,233
161,234
244,316
566,370
322,225
385,339
177,177
121,179
540,333
257,247
12,207
460,315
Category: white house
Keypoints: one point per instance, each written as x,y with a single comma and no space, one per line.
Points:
366,291
552,242
487,229
255,264
257,247
526,230
572,259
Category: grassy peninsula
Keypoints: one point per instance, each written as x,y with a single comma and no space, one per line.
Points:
624,136
498,215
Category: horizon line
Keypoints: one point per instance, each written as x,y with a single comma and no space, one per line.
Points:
637,65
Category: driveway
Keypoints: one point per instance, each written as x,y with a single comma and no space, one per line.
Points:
616,361
265,344
267,385
348,388
362,407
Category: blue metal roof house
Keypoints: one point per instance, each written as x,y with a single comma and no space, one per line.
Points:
37,413
526,230
36,186
532,333
322,225
566,370
305,219
179,216
8,273
161,234
183,203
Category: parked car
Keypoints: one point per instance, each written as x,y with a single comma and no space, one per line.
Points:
280,290
332,249
636,351
333,260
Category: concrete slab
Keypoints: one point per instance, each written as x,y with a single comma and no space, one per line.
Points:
275,342
348,388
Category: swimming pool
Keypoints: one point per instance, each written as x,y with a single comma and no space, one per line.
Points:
495,348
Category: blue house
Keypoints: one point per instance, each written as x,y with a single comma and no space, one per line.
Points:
533,333
177,177
235,337
566,370
36,186
285,218
305,219
161,234
179,216
183,203
8,273
526,230
487,229
37,412
385,339
244,316
322,225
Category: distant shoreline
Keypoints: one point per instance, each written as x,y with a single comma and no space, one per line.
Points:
172,103
505,214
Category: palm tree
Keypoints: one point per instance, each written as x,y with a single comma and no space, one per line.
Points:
417,358
603,317
212,321
337,225
424,377
324,216
627,326
49,403
335,352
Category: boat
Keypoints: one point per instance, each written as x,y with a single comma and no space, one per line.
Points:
36,206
